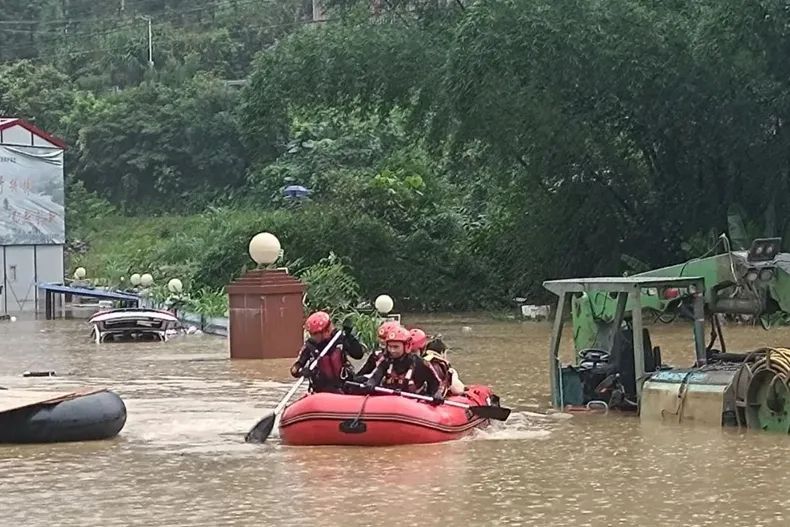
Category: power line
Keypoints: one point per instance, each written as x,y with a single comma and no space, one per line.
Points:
128,23
100,49
70,20
60,31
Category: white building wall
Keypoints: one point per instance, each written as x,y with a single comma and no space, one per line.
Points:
49,268
17,136
40,141
23,267
20,277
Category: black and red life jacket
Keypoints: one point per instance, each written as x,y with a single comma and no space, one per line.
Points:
333,368
402,380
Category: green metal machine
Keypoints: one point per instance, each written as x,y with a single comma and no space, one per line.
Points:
615,370
754,282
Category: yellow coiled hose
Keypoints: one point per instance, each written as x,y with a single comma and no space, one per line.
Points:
776,360
759,364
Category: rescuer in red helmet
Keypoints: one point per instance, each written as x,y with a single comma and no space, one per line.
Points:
401,370
334,367
419,340
378,353
429,351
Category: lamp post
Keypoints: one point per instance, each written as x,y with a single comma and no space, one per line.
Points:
265,313
174,301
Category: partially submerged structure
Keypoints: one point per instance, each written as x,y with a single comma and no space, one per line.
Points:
614,370
132,324
62,296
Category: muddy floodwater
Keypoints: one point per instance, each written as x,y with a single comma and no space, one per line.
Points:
181,458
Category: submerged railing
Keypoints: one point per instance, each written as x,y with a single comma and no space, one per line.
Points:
210,325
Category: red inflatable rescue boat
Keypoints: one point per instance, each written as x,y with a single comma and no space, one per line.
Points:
339,419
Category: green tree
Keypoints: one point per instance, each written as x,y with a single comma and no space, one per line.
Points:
38,93
161,147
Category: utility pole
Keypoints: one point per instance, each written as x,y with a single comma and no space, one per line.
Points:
150,42
150,46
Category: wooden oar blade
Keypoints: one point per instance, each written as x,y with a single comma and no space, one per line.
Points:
497,413
260,432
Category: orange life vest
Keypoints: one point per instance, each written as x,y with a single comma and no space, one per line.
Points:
441,368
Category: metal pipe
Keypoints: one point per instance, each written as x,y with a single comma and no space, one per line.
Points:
638,339
717,325
743,306
699,328
622,301
557,399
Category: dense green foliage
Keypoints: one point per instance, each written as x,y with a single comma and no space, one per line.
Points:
458,153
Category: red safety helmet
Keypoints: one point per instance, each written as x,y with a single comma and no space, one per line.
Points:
318,322
400,334
418,339
385,328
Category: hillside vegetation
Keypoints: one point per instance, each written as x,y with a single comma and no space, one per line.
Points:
458,153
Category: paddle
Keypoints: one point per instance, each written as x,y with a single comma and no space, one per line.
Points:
486,412
260,432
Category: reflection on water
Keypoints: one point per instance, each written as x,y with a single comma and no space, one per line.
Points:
181,459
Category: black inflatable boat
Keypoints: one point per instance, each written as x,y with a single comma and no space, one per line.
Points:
97,414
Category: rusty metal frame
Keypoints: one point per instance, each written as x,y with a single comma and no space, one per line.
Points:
623,287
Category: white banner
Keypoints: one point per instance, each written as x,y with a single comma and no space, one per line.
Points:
32,196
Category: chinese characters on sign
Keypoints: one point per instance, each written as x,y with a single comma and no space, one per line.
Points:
15,186
23,216
31,196
32,217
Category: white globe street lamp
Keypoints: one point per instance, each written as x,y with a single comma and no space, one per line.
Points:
384,304
175,286
264,248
